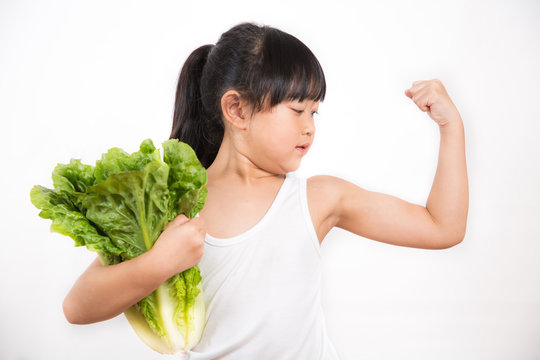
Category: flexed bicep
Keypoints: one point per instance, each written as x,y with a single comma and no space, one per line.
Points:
385,218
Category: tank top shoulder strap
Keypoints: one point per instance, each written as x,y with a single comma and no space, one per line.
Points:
301,184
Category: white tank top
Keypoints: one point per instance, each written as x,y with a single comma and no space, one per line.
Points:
262,288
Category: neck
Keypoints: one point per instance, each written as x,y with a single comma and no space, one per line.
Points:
232,164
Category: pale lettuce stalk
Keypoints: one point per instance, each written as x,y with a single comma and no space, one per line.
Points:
118,209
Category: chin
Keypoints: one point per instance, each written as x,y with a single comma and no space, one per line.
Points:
294,167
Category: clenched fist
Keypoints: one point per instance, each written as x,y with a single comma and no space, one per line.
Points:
181,245
431,96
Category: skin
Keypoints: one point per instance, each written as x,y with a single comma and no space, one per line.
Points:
244,179
250,165
438,225
257,150
103,292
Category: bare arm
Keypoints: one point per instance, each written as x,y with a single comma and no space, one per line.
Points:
448,201
386,218
442,222
103,292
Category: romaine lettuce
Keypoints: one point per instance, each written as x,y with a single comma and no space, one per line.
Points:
118,209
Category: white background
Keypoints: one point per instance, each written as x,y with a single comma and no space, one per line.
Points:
77,78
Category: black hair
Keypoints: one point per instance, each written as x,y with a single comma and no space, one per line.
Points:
264,64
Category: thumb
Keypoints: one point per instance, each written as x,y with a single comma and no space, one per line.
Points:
177,221
181,219
408,93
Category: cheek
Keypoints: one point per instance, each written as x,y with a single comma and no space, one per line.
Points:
282,140
274,134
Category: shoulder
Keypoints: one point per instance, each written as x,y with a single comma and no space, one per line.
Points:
332,188
325,194
325,185
333,195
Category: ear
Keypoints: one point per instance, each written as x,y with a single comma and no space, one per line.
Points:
234,109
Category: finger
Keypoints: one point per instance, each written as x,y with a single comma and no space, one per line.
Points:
181,219
420,82
421,100
410,92
198,222
177,221
417,86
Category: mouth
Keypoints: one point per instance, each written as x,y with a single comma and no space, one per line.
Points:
303,148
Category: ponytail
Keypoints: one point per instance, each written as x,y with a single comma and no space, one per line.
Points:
192,124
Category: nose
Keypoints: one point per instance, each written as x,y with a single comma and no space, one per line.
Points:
309,128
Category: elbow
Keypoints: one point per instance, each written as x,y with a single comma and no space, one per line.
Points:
452,240
451,243
70,312
460,236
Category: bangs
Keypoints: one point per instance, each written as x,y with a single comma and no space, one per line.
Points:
288,71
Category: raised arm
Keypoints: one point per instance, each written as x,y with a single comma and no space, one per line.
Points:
448,201
438,225
103,292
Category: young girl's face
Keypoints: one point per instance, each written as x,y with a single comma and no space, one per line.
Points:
279,138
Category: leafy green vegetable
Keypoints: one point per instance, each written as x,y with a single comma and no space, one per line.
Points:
118,209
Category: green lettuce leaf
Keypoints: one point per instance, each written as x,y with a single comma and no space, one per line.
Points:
118,209
67,220
131,207
117,160
187,178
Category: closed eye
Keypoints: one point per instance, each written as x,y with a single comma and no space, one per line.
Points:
301,111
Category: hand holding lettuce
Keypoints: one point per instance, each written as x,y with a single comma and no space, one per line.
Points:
118,209
180,236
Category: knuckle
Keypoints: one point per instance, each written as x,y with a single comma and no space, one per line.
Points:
181,218
201,246
200,252
189,228
196,242
193,243
196,232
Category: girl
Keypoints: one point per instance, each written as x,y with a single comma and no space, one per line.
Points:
246,106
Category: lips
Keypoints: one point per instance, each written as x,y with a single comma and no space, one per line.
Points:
303,148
